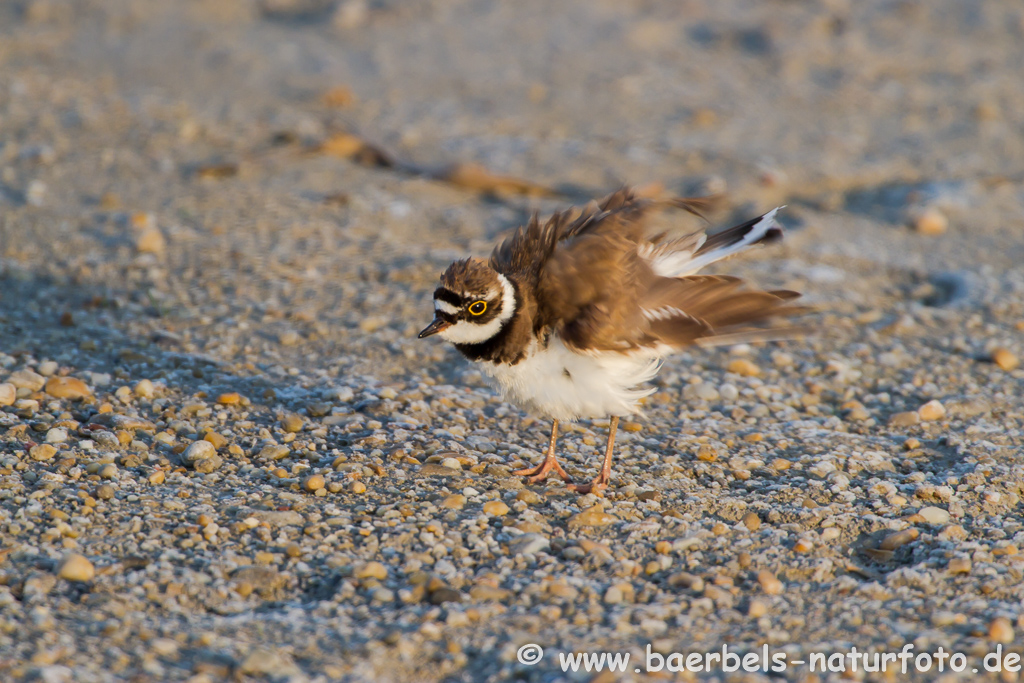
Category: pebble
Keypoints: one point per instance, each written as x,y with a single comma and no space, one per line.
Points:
199,450
371,570
56,435
592,516
757,608
144,389
495,508
905,419
314,482
959,565
930,221
229,399
769,584
8,394
208,465
451,463
744,368
357,487
1000,630
1005,359
898,539
931,411
108,471
42,452
75,567
291,423
105,492
151,241
70,388
752,521
529,544
27,379
455,501
934,515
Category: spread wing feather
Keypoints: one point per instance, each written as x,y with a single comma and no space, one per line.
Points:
597,280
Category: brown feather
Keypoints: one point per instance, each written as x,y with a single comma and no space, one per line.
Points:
583,277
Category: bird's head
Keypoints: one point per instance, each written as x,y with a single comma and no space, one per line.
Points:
472,304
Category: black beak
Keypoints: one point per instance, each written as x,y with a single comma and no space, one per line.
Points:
433,328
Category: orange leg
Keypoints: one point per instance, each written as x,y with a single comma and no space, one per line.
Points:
541,471
600,482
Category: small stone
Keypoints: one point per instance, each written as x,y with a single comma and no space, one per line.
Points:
451,463
229,399
528,544
959,565
744,368
729,392
931,221
357,487
931,411
485,593
199,450
934,515
898,539
105,492
529,497
157,477
108,471
455,501
1005,359
911,443
144,389
42,452
707,453
769,584
757,609
618,593
905,419
274,452
27,379
291,423
151,241
752,521
75,567
495,508
371,570
67,387
382,595
8,394
314,482
803,545
1000,630
592,516
216,439
208,465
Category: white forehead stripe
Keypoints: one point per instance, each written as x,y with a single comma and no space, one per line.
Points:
467,332
445,307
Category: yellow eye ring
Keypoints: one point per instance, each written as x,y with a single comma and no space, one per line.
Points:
478,307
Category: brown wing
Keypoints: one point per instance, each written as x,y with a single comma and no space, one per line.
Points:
705,308
587,280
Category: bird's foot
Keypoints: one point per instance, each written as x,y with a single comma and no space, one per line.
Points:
540,472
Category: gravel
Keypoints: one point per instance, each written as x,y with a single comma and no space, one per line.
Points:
224,454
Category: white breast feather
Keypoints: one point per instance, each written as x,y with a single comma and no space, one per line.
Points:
559,383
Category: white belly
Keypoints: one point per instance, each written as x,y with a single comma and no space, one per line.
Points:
561,384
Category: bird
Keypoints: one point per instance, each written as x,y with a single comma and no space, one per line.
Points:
570,318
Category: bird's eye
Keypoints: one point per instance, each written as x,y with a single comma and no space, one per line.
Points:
478,307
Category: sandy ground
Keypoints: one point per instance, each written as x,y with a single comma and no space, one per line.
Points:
195,234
